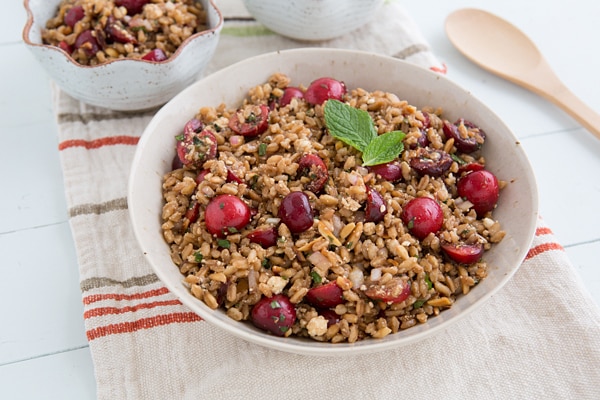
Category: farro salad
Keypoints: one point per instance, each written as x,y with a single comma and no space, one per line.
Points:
322,212
97,31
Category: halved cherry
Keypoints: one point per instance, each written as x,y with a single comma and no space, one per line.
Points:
132,6
266,237
66,47
324,89
250,121
226,214
116,31
87,42
422,216
193,212
312,166
156,55
290,93
331,316
481,189
231,177
463,253
391,171
467,136
396,290
201,175
375,209
195,148
193,125
470,167
325,296
74,15
431,162
275,314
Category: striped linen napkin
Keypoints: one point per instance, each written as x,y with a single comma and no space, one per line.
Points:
537,338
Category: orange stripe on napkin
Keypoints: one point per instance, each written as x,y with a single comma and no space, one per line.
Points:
94,144
145,323
540,231
120,297
542,248
101,311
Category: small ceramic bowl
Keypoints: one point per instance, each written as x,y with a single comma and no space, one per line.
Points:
122,84
517,208
313,20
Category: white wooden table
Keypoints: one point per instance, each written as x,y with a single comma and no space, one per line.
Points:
43,348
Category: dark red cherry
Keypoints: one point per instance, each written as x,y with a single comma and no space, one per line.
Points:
325,296
396,290
226,214
481,189
324,89
375,209
422,216
467,136
274,314
312,166
296,213
463,253
290,93
250,121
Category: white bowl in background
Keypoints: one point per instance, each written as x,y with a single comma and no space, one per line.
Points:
313,20
123,84
517,208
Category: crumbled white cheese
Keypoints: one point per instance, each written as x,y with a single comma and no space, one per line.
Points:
276,284
317,326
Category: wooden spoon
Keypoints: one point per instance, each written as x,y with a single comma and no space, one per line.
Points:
499,47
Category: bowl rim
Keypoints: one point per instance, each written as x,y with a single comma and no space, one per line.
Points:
30,21
319,348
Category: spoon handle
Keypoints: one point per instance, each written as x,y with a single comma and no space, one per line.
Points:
544,82
576,108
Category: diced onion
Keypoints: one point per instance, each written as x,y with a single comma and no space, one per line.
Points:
356,277
375,274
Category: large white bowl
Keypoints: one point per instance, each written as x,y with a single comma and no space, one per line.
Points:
123,84
517,208
313,20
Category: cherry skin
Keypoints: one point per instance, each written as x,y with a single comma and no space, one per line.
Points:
265,237
290,93
254,124
156,55
423,216
375,209
395,290
226,214
275,314
463,253
325,296
481,189
74,15
296,213
324,89
314,167
391,171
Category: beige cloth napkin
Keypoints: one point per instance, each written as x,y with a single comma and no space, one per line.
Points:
537,338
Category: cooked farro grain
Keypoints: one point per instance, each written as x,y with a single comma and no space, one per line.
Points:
347,275
98,31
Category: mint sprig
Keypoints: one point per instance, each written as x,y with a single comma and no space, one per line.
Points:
355,127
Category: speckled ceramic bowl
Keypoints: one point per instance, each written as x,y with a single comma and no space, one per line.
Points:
517,208
313,20
124,84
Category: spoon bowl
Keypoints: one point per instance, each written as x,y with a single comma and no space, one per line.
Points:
501,48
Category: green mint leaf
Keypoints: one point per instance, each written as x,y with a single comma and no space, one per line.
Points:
316,277
384,148
348,124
